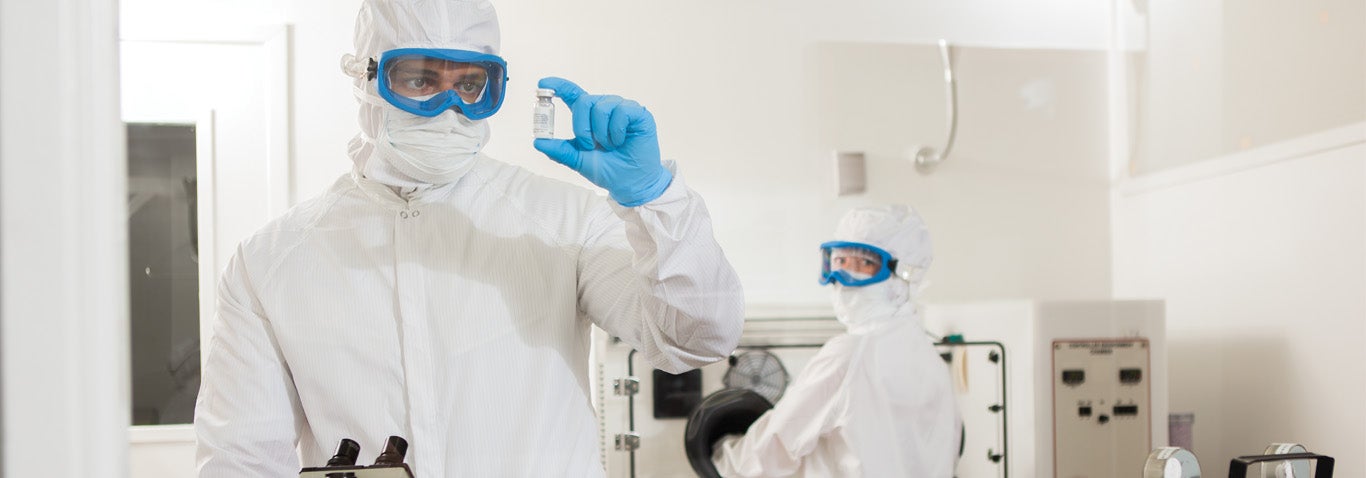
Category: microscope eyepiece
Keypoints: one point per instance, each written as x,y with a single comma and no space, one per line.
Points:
394,450
346,455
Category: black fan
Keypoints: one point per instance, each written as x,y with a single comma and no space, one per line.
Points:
760,371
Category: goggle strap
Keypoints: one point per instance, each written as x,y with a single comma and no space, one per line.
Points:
372,69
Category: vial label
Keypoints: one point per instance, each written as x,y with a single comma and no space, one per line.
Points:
543,121
543,118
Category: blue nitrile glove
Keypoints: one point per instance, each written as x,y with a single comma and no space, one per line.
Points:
614,144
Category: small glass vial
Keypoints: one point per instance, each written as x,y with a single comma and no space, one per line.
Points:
543,119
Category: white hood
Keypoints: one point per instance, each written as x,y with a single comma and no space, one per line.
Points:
901,232
395,147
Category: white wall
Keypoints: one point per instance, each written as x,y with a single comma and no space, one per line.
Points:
752,113
746,113
663,53
1261,257
1262,267
1249,217
1023,209
1218,77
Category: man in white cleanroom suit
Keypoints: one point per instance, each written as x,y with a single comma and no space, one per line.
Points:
444,297
876,401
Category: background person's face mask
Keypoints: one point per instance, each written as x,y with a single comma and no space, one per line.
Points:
855,306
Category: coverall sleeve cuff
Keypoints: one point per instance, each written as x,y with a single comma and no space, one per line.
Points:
676,192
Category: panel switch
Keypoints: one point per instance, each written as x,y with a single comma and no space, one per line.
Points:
1073,377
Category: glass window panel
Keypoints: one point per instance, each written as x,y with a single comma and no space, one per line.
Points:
163,272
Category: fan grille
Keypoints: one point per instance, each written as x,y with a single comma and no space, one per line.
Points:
760,371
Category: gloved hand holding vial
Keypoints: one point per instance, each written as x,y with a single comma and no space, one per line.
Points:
614,144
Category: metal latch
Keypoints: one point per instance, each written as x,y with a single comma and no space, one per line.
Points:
629,441
626,386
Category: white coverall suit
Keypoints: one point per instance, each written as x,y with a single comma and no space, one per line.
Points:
455,315
876,401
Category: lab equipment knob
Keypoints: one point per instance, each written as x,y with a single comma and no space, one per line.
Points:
346,455
1171,462
394,450
1285,469
1238,467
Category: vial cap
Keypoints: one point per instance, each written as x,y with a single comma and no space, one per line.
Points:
545,93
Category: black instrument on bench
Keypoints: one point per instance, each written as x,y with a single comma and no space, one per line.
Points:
388,464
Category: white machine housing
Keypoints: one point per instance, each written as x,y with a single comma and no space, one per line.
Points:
1107,339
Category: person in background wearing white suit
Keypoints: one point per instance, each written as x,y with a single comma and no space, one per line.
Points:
445,297
876,401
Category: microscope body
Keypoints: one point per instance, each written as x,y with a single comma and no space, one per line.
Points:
373,471
389,464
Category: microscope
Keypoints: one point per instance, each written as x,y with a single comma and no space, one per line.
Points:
388,464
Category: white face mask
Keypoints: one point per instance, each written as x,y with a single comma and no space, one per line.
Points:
431,151
858,305
872,307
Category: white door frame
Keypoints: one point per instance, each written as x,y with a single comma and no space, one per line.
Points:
274,41
274,44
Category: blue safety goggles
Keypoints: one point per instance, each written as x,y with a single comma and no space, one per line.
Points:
855,264
429,81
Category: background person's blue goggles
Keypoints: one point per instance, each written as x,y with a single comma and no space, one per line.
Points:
854,264
429,81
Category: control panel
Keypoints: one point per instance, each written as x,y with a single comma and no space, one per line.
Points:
1102,407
